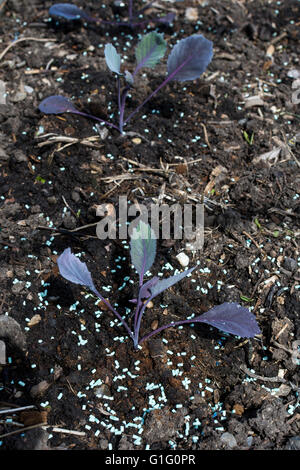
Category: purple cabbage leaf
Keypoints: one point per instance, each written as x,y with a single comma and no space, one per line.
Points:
69,12
113,59
150,50
164,284
74,270
57,104
232,318
145,290
142,247
189,58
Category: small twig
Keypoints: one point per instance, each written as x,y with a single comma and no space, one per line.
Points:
88,141
24,39
22,430
260,377
13,410
71,388
290,151
278,38
69,207
123,177
191,162
280,346
255,243
68,431
220,123
281,331
42,227
256,285
14,423
294,418
110,191
2,4
69,232
282,212
205,135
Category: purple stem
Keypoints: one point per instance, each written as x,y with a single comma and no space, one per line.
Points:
137,327
121,102
158,330
122,108
110,124
138,324
136,316
130,11
119,92
169,77
139,301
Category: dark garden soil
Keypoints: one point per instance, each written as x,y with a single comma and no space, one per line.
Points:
231,136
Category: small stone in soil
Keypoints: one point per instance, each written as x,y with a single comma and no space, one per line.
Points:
3,155
39,389
10,329
229,440
20,156
191,14
19,96
69,222
290,264
102,391
183,259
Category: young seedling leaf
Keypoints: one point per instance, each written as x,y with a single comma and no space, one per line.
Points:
189,58
164,284
57,104
145,291
72,269
113,59
68,11
231,318
142,247
150,50
129,78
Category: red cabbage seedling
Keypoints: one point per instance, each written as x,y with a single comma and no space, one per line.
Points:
229,317
71,12
187,61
